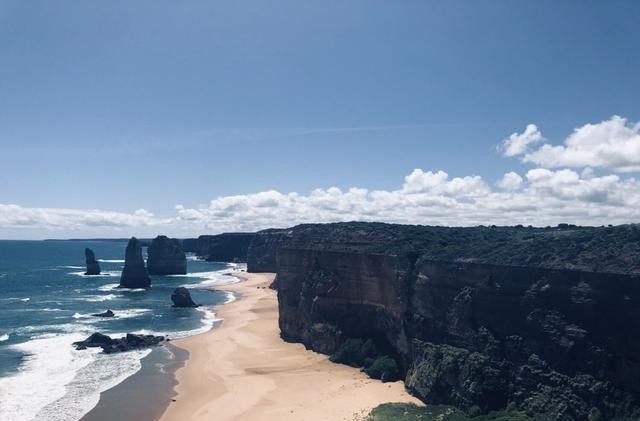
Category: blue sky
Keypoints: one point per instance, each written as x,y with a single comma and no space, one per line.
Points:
127,105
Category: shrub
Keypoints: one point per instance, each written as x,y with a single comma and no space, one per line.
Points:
384,368
348,353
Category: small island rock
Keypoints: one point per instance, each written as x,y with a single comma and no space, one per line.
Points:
134,274
107,313
182,298
166,257
93,267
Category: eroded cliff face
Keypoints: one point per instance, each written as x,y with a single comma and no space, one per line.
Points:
262,251
227,247
165,257
559,343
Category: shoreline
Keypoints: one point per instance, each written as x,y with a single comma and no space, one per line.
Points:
243,370
128,400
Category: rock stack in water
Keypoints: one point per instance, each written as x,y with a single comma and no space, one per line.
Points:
166,257
93,268
134,274
182,298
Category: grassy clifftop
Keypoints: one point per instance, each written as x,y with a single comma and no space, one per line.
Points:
408,412
596,249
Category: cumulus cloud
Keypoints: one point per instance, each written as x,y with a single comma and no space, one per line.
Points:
519,143
15,216
541,197
510,181
612,144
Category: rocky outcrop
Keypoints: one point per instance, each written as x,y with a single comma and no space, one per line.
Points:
227,247
182,298
107,313
134,273
127,343
165,257
262,255
557,337
93,267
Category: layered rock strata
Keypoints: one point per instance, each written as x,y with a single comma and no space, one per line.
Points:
544,320
165,257
93,267
134,273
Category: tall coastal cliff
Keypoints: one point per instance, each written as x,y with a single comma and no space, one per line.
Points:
545,320
227,247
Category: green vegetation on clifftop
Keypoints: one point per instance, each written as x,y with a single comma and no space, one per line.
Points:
409,412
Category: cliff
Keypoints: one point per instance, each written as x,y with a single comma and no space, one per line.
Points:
93,267
227,247
263,248
134,273
165,257
544,320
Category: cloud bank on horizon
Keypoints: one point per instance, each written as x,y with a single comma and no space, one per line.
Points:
585,180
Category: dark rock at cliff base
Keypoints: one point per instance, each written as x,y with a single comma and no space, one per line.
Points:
107,313
134,273
543,320
165,257
93,267
127,343
182,298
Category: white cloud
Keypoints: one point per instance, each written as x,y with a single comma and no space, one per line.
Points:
519,143
541,197
611,144
510,181
15,216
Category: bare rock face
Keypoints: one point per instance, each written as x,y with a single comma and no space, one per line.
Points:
182,298
166,257
134,274
543,320
93,267
262,250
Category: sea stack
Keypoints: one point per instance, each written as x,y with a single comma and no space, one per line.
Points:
166,257
93,268
182,298
134,274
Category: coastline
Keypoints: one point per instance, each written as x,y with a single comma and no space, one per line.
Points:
129,400
243,370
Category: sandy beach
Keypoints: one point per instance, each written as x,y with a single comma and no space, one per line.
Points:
242,370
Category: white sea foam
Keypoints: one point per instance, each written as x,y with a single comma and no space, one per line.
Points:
108,287
25,299
98,298
104,273
111,260
4,337
56,382
129,313
49,365
70,267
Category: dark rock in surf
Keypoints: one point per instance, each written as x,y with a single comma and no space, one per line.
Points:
182,298
166,257
127,343
107,313
134,274
93,267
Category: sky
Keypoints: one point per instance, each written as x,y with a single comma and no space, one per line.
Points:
129,117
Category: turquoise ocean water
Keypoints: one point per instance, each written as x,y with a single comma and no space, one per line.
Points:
46,304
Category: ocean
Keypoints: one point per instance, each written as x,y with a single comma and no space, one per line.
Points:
46,303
